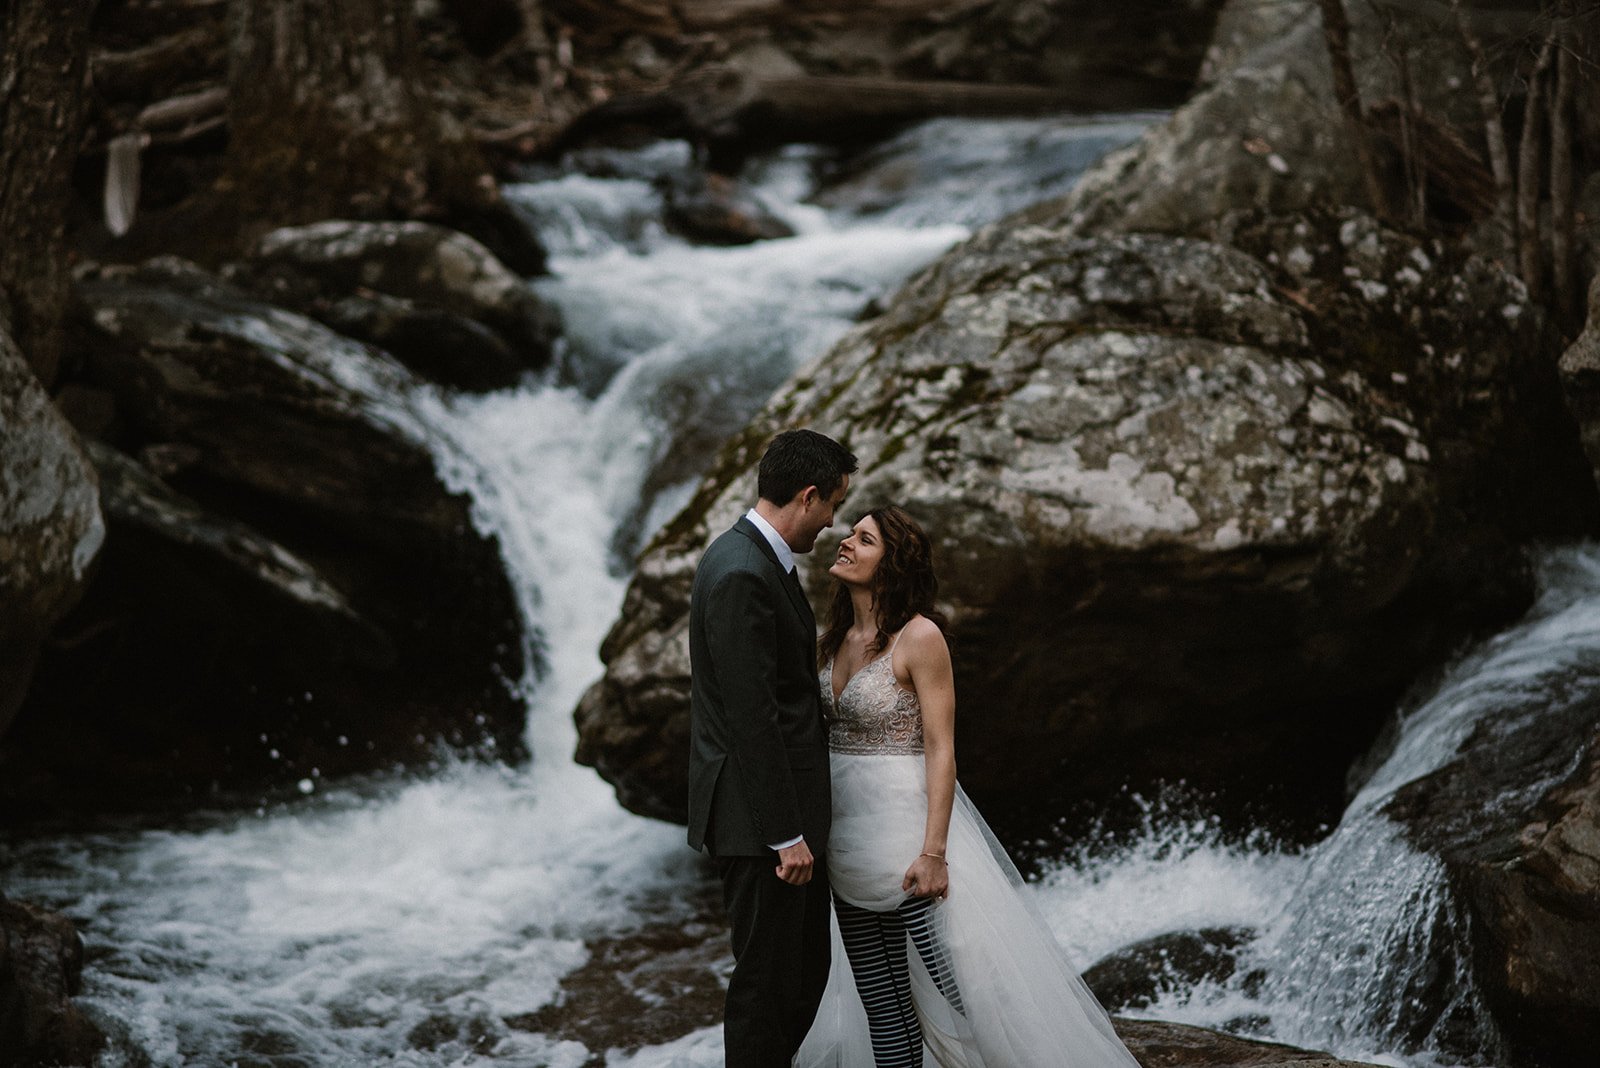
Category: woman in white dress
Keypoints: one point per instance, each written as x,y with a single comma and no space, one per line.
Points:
940,955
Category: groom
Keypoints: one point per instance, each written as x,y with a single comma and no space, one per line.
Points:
759,795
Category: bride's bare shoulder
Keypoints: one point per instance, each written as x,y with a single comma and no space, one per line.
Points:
923,636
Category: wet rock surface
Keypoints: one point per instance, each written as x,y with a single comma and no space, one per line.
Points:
436,299
140,505
663,982
712,209
50,524
1515,819
1197,504
1580,377
41,966
1157,1044
281,547
1135,975
642,989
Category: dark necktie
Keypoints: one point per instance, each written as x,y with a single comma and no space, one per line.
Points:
793,575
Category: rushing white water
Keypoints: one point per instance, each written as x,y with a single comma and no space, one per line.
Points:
1359,947
406,922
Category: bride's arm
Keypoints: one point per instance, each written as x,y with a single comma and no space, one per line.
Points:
926,659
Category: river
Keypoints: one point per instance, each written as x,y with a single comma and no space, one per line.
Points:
404,920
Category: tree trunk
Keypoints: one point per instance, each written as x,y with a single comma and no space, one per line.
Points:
1336,32
1416,167
1494,133
1563,284
1529,169
327,115
44,47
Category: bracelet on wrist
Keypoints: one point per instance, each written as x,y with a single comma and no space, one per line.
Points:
936,856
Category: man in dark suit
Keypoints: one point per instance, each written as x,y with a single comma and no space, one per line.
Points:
759,796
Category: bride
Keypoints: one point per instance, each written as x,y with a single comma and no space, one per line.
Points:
940,956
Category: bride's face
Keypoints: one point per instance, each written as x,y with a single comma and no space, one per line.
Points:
859,554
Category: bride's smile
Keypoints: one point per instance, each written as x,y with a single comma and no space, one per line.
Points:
859,553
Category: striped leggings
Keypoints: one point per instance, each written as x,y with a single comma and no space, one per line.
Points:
875,942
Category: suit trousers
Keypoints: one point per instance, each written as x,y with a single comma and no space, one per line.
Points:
781,951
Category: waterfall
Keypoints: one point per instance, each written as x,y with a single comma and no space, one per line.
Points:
1359,947
405,920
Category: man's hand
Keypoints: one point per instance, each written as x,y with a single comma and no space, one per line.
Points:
795,863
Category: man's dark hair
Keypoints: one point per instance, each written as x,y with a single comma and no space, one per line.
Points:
796,459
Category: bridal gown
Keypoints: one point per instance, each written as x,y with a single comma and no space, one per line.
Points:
1022,1003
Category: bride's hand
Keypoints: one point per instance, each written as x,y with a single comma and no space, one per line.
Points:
927,877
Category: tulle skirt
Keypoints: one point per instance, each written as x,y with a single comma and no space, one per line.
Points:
1025,1005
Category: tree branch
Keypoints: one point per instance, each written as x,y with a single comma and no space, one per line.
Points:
175,57
186,110
1336,32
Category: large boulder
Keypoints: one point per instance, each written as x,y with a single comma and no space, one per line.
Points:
50,523
1136,975
436,299
288,591
1580,377
1515,820
1203,508
142,507
1262,137
1264,131
41,968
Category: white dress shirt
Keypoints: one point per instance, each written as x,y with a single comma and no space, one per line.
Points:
786,561
774,539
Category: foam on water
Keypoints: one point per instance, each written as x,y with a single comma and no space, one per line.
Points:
1178,872
404,922
355,928
1358,946
955,171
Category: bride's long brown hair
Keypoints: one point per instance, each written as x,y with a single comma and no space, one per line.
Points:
903,586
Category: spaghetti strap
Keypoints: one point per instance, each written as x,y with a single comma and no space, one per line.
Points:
896,641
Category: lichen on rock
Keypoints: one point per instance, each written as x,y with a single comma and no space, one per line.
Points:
1194,502
51,529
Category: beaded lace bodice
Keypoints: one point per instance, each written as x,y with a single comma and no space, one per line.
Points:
874,713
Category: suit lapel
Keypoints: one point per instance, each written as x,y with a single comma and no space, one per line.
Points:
791,587
797,595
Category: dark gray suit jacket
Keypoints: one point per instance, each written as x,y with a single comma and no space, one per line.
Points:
758,744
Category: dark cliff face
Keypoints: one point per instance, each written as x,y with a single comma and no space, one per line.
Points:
287,592
51,528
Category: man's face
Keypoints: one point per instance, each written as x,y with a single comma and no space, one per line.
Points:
817,514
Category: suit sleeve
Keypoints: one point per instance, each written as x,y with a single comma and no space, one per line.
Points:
742,636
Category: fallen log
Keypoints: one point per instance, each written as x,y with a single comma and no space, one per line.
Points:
617,16
717,15
187,110
828,100
161,65
722,104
